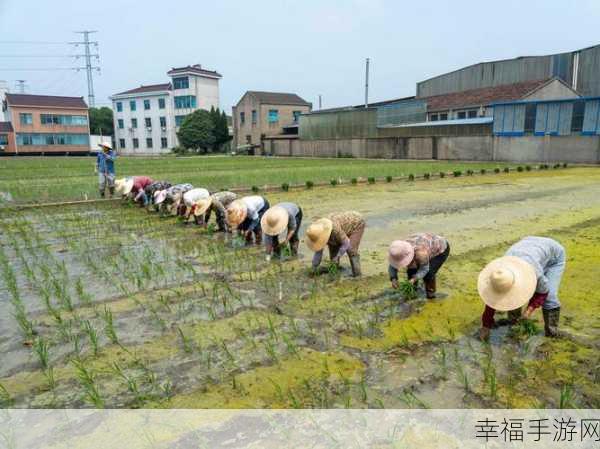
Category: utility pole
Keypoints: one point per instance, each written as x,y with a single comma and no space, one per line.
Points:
21,86
320,102
89,67
367,84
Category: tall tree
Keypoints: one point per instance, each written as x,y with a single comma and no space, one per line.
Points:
101,121
197,132
221,129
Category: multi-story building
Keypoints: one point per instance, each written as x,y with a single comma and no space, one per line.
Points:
44,124
261,114
147,118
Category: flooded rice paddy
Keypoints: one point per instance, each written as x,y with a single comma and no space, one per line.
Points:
110,306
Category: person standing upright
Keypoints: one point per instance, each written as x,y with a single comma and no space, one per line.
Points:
105,168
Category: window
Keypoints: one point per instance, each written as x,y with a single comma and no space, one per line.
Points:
163,142
461,114
3,139
120,123
161,103
273,115
134,123
185,101
179,119
444,116
530,117
181,82
242,118
254,117
66,120
577,117
433,118
149,142
148,122
25,118
146,105
132,105
296,115
119,106
472,113
45,139
136,142
163,122
121,143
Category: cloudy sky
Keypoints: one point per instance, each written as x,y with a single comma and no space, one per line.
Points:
310,47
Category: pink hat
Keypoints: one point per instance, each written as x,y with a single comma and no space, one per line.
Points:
401,254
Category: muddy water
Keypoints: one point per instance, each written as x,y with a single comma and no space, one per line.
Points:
203,324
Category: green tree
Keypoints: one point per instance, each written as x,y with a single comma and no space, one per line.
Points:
101,121
221,129
197,132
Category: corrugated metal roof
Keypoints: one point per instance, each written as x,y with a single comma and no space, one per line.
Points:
196,68
278,98
6,127
47,101
148,88
465,121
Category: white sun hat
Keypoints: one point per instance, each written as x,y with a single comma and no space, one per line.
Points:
507,283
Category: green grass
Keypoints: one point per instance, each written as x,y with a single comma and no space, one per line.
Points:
46,179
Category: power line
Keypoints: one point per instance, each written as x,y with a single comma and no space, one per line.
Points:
36,56
89,67
40,69
32,42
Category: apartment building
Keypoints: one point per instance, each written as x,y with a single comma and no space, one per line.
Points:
261,114
44,124
148,117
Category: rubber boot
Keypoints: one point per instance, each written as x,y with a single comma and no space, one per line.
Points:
111,191
294,247
276,248
551,319
430,288
258,237
101,193
355,264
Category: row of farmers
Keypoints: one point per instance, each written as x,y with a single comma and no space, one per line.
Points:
528,276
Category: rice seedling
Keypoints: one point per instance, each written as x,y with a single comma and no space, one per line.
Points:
131,383
565,165
87,379
411,177
506,170
483,171
457,173
411,399
497,170
5,398
463,377
520,169
333,182
309,184
566,396
362,385
285,187
371,180
92,336
427,176
408,290
185,341
354,181
109,327
255,189
525,327
388,178
40,346
271,350
470,172
442,175
49,374
167,389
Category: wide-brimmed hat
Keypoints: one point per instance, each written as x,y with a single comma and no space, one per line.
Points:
318,234
105,145
127,186
236,212
160,196
507,283
121,184
274,221
400,254
202,206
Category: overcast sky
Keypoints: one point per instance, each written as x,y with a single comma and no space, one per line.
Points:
309,47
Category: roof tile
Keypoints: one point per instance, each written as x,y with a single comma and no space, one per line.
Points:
278,98
48,101
148,88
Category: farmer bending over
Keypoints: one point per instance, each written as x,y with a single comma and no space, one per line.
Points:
164,199
218,202
245,214
148,197
134,188
281,217
422,255
190,202
105,167
530,272
341,233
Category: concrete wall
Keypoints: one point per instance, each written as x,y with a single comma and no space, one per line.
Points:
552,91
585,149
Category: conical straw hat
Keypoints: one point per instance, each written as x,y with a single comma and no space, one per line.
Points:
274,221
318,234
202,206
507,283
236,213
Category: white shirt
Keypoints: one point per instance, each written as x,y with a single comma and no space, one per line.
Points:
253,204
191,197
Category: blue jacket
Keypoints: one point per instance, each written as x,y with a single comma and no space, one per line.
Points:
106,162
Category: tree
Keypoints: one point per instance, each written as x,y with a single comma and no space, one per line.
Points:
221,129
101,121
197,132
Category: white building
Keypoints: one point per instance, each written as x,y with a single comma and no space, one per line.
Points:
147,118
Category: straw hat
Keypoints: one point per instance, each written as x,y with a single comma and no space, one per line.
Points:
202,206
274,221
401,254
105,145
127,186
318,234
160,196
507,283
121,184
236,213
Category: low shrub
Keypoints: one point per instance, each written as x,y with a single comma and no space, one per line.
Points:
310,184
388,179
497,170
543,167
371,180
565,165
285,187
411,177
426,175
470,172
528,167
442,174
354,181
519,169
333,182
506,170
482,171
556,166
457,173
255,189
